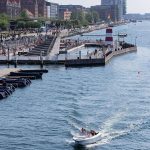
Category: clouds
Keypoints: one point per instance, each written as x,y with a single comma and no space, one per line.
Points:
138,6
86,3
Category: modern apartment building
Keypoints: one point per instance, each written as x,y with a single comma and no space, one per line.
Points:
118,4
124,7
52,10
107,2
106,12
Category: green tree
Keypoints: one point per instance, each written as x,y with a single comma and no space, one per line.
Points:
21,24
89,17
80,17
24,15
75,23
74,16
37,24
4,21
28,24
95,16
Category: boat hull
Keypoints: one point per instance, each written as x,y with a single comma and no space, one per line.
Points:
87,141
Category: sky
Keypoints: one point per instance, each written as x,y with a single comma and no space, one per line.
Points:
133,6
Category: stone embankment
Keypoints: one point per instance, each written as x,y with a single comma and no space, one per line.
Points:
120,52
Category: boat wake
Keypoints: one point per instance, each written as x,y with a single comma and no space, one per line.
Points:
109,134
107,130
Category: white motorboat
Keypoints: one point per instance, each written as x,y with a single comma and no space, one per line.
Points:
87,139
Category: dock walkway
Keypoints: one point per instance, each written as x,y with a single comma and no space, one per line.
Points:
5,72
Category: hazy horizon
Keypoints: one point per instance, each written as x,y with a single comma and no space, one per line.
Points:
133,6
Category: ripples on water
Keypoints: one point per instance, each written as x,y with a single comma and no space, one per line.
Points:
113,100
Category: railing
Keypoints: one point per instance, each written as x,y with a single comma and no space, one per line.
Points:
51,45
28,58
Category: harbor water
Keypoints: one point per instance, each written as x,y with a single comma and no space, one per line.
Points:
114,100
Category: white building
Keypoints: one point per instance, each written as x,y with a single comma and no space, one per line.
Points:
52,10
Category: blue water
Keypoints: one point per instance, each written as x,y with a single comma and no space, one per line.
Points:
114,100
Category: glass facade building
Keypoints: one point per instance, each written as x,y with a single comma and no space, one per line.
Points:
118,4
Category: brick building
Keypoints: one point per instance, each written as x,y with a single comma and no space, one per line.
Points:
42,8
36,7
10,7
31,6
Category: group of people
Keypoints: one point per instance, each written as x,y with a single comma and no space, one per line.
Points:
20,43
70,43
88,133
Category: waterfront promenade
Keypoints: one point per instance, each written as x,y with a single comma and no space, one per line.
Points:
38,50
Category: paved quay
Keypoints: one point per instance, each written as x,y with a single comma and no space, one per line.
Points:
5,72
97,61
48,52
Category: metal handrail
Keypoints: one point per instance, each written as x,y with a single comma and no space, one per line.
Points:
51,45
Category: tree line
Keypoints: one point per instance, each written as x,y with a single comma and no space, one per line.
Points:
77,20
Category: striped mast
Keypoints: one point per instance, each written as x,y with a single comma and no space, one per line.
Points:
109,37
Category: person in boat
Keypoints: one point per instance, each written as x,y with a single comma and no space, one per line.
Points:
89,133
83,130
86,132
93,132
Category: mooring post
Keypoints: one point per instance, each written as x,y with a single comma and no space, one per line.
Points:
8,57
66,54
41,59
15,62
79,54
135,40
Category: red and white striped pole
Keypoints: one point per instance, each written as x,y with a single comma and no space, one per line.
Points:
109,37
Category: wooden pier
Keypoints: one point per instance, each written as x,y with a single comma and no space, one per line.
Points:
11,79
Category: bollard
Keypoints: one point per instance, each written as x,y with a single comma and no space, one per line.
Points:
15,64
41,59
8,55
79,54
